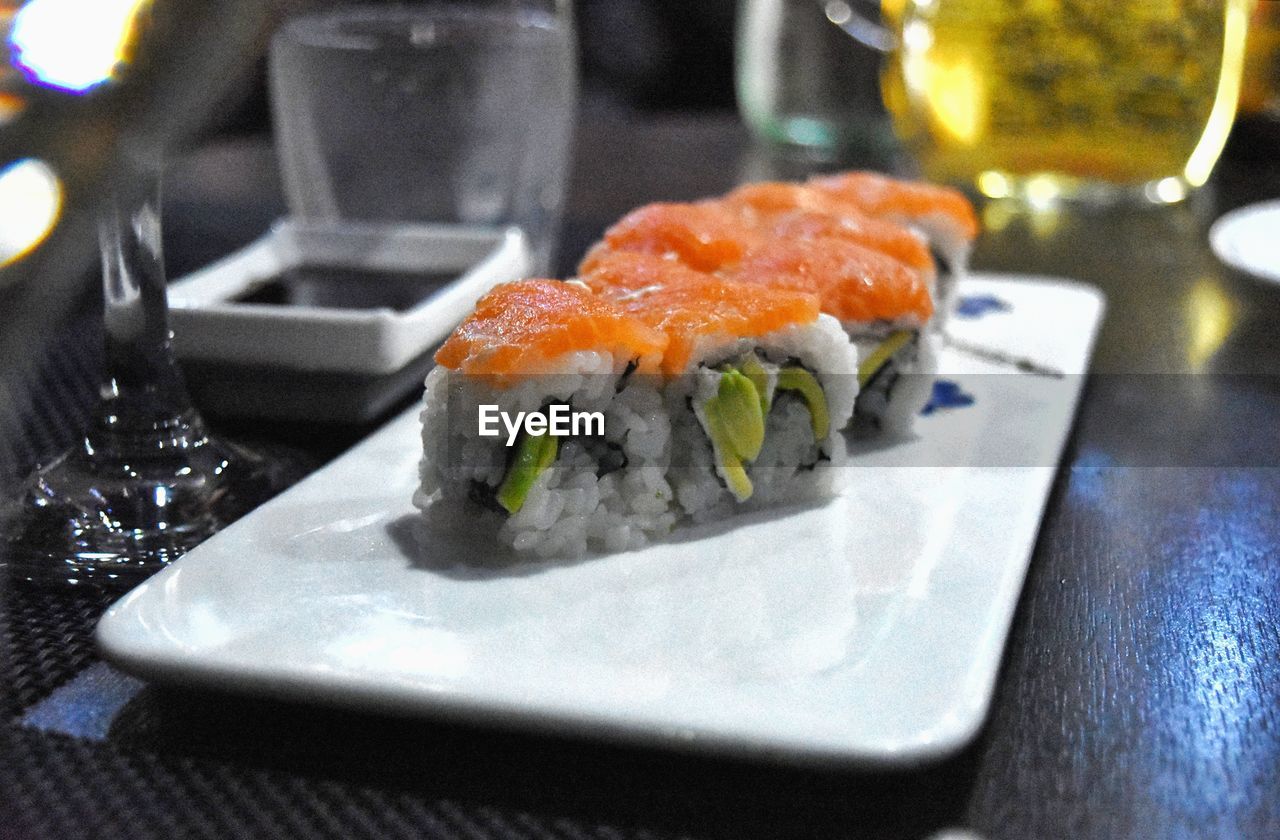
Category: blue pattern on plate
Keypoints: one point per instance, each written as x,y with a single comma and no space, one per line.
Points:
947,394
975,306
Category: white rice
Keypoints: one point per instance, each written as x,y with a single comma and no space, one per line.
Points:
947,239
893,398
791,465
576,504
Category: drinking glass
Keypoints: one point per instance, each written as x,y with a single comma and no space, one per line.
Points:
99,90
805,88
441,112
1078,99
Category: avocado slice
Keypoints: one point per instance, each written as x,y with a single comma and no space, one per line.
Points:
753,370
735,476
735,424
735,417
534,453
806,384
868,367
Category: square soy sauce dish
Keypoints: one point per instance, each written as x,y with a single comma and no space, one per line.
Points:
332,322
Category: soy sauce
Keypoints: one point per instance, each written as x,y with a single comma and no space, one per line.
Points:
345,288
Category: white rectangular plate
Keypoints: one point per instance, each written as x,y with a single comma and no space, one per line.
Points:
865,630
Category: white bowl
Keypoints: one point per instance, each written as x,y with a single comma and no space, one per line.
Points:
321,362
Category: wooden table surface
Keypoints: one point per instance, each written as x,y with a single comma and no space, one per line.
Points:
1140,692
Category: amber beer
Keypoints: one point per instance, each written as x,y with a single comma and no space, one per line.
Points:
1260,90
1049,98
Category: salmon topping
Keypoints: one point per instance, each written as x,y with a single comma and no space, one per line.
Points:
704,236
522,327
689,307
798,211
854,283
891,198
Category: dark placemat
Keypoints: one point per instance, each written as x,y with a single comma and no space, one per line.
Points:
45,638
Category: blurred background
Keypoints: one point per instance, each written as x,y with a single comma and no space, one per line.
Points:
646,55
669,56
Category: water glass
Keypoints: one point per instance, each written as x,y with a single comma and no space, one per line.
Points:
438,112
806,88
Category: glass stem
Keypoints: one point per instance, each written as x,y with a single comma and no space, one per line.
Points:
144,402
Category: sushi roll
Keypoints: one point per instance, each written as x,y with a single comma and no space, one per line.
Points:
942,214
758,382
883,306
529,347
874,276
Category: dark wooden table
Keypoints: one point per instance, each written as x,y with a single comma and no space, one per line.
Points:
1139,694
